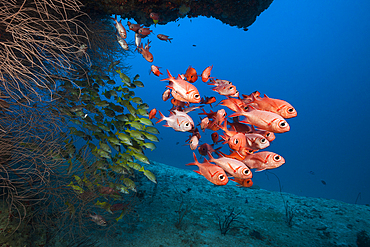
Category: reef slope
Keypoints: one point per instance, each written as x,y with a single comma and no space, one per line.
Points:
261,220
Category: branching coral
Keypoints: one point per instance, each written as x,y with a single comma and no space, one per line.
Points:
40,42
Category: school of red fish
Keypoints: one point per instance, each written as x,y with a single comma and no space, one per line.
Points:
262,117
140,33
250,128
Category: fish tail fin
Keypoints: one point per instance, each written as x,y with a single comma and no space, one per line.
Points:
162,117
195,163
169,39
169,76
195,158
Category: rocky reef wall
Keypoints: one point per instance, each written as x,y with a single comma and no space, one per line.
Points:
235,13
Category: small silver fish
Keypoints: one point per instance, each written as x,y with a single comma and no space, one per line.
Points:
177,120
122,42
137,39
99,220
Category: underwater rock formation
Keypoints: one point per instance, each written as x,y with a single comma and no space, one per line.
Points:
235,13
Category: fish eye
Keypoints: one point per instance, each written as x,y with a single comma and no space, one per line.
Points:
187,125
246,171
221,177
283,124
263,140
268,134
196,96
277,157
230,88
291,110
236,141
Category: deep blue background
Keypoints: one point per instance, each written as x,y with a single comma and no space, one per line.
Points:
313,54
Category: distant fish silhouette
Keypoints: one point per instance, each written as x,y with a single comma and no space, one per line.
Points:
312,173
323,182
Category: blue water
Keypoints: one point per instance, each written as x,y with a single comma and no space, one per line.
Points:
315,55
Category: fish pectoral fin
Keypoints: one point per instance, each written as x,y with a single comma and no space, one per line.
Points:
260,169
197,172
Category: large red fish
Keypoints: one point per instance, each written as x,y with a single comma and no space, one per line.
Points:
233,167
278,106
211,172
263,160
183,88
263,119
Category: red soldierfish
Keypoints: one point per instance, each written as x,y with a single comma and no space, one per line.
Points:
204,123
121,30
243,182
206,73
278,106
205,148
256,141
270,136
133,27
219,82
263,119
164,37
155,70
145,53
263,160
233,167
122,42
193,142
211,172
152,113
144,31
166,94
177,120
239,127
208,100
232,104
191,75
226,90
183,88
